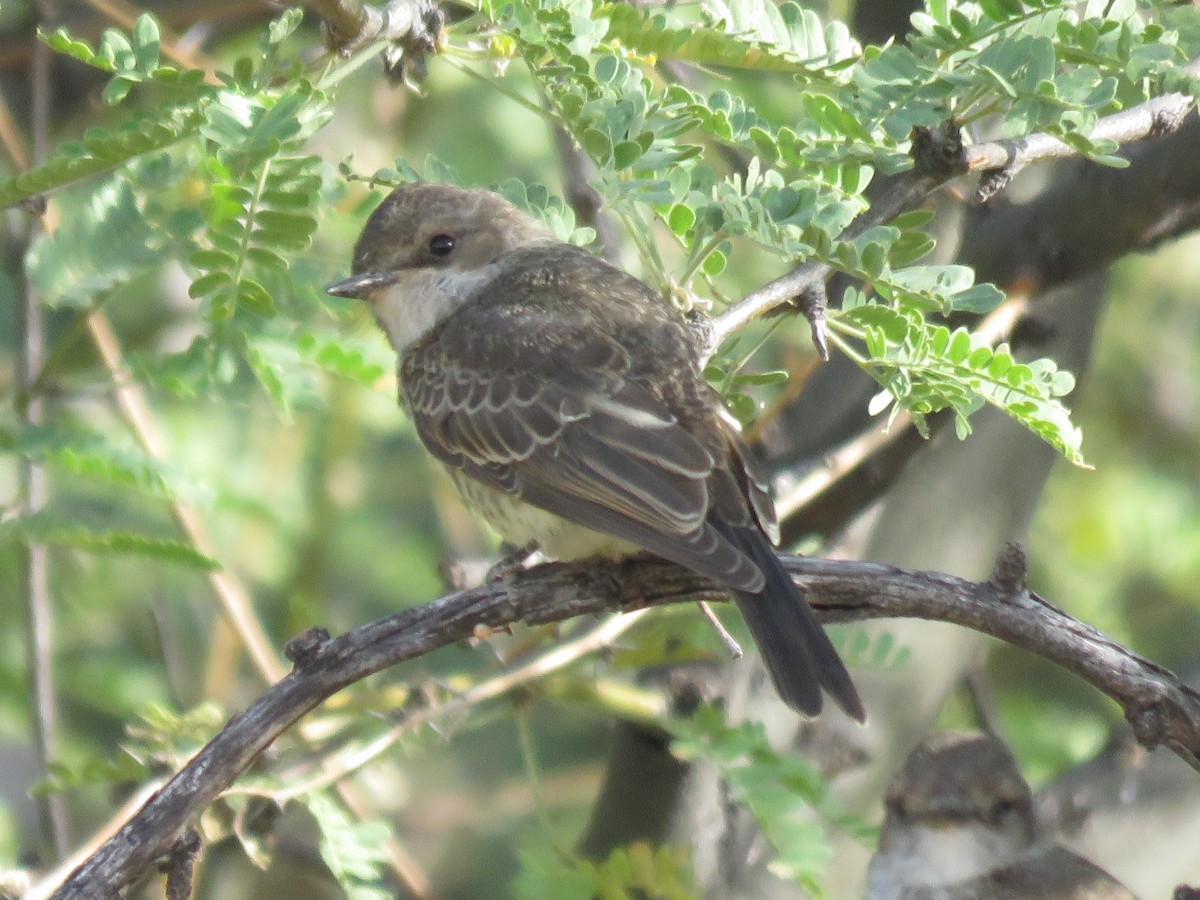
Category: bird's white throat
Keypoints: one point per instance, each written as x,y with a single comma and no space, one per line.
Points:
929,857
423,298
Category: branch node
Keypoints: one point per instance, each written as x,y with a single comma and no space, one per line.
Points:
1167,121
405,61
1008,576
181,863
303,648
34,206
1147,722
938,151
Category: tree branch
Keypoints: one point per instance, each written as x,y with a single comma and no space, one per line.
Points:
1160,707
939,156
1000,161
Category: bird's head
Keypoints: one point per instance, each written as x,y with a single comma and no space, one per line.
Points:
423,229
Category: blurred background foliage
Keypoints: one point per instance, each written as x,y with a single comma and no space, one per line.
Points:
320,503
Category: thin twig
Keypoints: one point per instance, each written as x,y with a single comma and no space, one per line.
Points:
39,612
234,600
791,498
338,766
10,137
51,880
731,645
1160,707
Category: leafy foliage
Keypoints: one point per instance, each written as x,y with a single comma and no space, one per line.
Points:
805,182
92,456
719,182
47,528
778,789
353,850
629,873
928,367
131,60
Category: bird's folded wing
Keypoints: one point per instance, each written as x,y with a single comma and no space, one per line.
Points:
588,444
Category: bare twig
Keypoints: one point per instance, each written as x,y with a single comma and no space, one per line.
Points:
1160,707
728,640
39,614
46,886
794,496
235,602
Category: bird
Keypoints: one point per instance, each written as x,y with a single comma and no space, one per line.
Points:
959,825
566,399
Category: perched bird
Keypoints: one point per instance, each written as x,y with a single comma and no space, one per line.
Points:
960,826
566,400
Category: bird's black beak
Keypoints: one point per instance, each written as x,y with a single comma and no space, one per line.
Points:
360,287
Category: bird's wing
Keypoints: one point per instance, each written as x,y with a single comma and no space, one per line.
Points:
1056,873
588,441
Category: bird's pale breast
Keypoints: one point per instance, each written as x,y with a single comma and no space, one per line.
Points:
521,524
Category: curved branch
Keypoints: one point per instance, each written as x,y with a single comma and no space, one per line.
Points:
1160,707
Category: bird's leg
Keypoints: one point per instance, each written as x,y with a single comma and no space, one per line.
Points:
513,561
731,644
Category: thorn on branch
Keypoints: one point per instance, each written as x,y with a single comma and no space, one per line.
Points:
180,864
303,648
938,152
1147,723
1008,576
812,304
992,182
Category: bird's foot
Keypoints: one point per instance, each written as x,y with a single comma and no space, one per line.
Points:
513,561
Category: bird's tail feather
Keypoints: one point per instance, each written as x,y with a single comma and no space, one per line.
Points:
797,652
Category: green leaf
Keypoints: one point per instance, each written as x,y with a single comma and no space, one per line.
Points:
352,849
771,786
681,219
103,150
145,43
43,528
104,240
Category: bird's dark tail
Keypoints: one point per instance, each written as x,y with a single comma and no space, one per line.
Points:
794,646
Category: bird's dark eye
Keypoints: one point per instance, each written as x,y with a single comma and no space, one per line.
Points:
441,245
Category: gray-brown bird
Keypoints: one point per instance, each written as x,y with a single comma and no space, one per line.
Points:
960,826
565,398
